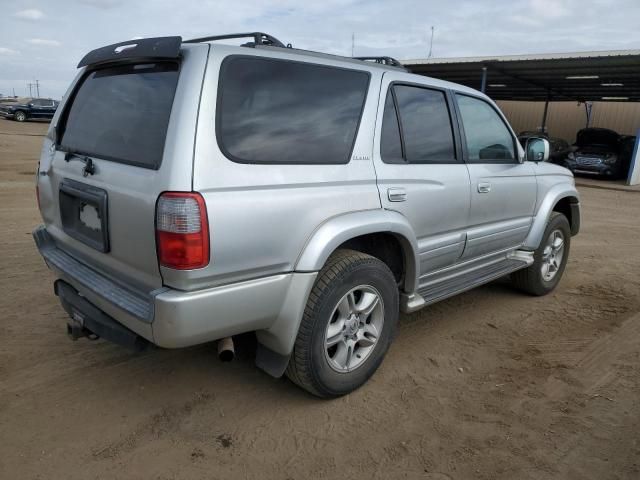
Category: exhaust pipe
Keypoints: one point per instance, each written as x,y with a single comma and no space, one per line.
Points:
226,352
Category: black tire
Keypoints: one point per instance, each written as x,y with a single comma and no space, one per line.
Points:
309,366
20,116
531,279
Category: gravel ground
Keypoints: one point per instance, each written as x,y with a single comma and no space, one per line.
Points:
491,384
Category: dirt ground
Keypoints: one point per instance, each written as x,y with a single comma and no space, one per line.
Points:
491,384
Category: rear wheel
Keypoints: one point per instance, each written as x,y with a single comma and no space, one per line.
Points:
348,324
20,116
550,259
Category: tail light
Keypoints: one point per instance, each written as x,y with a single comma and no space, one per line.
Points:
182,231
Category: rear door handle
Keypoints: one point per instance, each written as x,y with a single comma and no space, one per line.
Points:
396,194
484,187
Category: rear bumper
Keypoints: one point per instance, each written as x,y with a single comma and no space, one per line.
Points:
86,319
171,318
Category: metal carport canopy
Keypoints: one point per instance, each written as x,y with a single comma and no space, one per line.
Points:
582,76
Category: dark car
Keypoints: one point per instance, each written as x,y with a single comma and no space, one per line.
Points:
560,148
598,151
29,108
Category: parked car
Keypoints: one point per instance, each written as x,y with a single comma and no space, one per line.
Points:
597,152
29,108
560,148
192,191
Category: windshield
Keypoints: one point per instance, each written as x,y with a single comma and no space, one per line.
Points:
122,113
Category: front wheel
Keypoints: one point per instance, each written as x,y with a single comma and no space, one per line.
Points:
20,116
550,259
347,327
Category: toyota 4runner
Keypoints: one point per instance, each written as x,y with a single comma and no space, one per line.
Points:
192,191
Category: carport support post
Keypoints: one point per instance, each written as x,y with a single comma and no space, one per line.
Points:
633,177
483,85
544,115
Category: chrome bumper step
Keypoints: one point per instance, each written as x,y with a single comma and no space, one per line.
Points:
137,304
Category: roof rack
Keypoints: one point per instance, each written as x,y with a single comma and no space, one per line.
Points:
392,62
259,38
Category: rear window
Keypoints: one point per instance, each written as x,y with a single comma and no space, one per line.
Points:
122,113
277,111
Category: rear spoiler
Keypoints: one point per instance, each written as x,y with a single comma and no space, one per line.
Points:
164,48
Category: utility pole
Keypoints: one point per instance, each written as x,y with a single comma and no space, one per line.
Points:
431,42
30,85
353,44
37,88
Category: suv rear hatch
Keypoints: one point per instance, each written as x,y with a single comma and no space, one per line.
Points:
123,136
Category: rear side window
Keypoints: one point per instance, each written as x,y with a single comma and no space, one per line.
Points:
390,143
277,111
488,138
424,125
122,114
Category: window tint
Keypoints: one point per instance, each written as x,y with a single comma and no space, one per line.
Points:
390,145
276,111
122,113
488,138
426,125
36,102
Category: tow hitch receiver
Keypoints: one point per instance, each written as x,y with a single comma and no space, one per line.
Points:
87,320
76,329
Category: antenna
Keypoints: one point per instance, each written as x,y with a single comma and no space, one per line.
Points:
431,42
353,44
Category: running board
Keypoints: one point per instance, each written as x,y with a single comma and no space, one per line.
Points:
472,277
466,281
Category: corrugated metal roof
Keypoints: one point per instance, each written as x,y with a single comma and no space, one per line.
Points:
529,56
582,76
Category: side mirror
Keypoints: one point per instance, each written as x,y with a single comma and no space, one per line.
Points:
537,150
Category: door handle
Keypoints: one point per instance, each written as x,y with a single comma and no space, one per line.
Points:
484,187
396,194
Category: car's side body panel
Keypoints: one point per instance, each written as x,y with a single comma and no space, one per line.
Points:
261,216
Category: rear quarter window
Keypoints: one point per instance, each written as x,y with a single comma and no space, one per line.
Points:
122,113
274,111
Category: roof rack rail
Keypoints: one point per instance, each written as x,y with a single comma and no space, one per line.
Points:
259,38
392,62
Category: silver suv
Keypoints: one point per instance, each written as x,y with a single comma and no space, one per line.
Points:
192,191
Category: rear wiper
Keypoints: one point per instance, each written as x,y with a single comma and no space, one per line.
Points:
89,167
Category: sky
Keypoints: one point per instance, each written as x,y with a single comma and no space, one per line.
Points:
45,39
